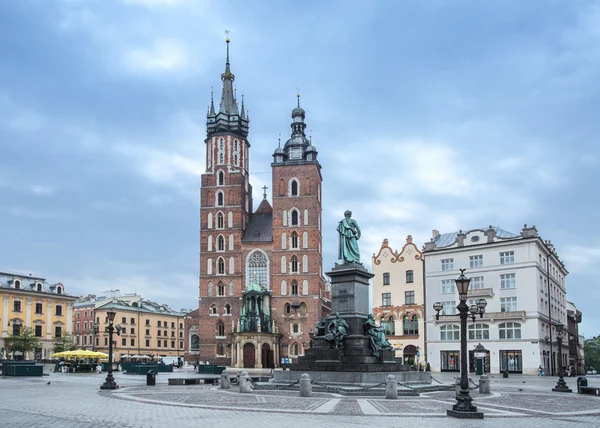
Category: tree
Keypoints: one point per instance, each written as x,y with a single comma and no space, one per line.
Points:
591,349
64,343
24,342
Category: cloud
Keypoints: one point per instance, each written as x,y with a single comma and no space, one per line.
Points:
38,189
163,56
19,118
37,213
581,259
157,3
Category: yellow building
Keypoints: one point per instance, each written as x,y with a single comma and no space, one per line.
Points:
29,301
398,298
147,328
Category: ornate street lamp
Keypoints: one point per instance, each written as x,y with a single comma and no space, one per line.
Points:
110,383
561,385
96,328
464,407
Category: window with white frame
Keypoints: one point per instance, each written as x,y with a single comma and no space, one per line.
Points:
449,332
447,264
475,261
449,308
294,265
509,330
479,331
294,243
220,221
507,280
507,257
258,265
386,278
386,299
477,283
508,304
221,178
448,286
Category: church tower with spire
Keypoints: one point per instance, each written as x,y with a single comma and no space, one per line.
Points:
300,294
261,279
225,210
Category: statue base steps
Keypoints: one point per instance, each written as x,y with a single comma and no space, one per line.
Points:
354,378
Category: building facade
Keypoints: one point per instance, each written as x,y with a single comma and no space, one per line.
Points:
523,282
84,320
147,328
398,298
277,247
32,302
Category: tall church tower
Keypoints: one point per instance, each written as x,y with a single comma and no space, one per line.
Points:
299,295
225,209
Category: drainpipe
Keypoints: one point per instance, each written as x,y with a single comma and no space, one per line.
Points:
424,315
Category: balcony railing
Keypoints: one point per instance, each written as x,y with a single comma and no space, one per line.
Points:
490,316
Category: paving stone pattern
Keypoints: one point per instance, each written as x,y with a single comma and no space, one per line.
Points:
76,401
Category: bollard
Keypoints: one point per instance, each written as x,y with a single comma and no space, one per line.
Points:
305,386
484,385
391,387
245,385
225,384
457,386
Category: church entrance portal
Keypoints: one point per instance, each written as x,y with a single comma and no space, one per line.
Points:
249,361
267,356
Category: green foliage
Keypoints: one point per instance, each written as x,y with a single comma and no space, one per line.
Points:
591,349
23,342
64,343
428,367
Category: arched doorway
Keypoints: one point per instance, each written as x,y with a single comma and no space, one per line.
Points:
409,354
267,356
249,352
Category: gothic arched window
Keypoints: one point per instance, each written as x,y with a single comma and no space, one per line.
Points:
221,349
294,219
227,309
294,240
221,178
221,266
257,264
294,263
220,243
220,221
294,288
220,199
221,289
294,188
295,349
220,328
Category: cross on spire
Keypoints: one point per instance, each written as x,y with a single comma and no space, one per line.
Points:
265,191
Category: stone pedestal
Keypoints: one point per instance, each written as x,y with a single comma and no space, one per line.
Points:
484,385
305,386
353,361
245,385
391,388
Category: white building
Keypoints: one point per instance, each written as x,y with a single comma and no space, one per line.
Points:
523,282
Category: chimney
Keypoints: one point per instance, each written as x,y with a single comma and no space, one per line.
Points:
435,233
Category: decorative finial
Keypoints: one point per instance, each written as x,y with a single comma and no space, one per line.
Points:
310,136
298,95
227,36
234,93
279,141
265,191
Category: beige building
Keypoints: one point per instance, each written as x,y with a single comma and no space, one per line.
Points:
33,302
398,298
147,328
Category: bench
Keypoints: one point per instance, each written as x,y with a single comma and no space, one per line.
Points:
193,380
589,390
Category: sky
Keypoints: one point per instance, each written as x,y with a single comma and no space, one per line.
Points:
434,114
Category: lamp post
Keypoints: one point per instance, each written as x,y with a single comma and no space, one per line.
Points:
96,328
110,383
561,385
464,407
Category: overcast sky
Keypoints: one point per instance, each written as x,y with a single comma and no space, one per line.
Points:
427,115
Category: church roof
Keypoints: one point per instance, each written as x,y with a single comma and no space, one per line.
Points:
264,208
260,228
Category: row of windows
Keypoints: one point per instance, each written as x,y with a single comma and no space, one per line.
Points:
38,330
39,308
507,281
18,285
409,298
410,325
506,258
294,265
507,304
410,277
294,240
480,331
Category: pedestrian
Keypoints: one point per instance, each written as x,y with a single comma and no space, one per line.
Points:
540,371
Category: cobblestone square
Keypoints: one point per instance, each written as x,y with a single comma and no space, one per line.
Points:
75,400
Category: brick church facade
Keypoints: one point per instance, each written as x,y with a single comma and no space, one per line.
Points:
262,288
